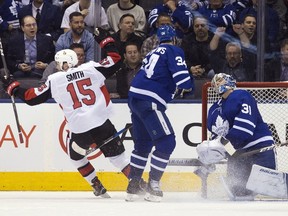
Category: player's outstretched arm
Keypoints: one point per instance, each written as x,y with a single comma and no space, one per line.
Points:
112,63
13,88
105,40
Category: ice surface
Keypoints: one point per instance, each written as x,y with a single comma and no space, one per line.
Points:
173,203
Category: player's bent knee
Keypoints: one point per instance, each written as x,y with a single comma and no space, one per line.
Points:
113,148
166,144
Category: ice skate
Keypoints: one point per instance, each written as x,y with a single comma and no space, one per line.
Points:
136,188
154,192
99,189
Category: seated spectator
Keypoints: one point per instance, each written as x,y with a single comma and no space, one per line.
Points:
92,18
196,49
29,52
152,42
52,67
126,33
78,34
115,11
272,22
277,68
48,17
180,16
219,15
235,64
247,34
246,37
131,65
9,20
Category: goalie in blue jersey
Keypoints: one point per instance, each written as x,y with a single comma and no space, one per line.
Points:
163,71
235,121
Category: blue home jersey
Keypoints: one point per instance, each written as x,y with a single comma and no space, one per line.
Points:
182,16
238,119
162,70
222,17
9,14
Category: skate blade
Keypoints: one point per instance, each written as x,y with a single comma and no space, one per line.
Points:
132,197
105,195
152,198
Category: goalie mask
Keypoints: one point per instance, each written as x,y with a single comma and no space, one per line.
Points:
66,56
166,33
223,82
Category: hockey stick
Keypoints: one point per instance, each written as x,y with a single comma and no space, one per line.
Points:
260,150
12,97
86,152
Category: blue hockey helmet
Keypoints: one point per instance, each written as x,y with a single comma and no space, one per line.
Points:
223,82
166,33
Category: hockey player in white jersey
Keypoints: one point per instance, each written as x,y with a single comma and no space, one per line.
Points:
235,120
163,69
85,101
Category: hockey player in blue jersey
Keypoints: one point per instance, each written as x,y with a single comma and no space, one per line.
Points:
163,70
235,119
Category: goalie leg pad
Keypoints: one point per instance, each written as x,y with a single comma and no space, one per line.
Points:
268,182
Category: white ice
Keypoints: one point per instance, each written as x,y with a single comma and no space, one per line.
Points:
173,204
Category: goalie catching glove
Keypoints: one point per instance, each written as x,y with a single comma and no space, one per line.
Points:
102,37
211,151
10,85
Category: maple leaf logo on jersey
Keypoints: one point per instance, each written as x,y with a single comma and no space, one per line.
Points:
221,126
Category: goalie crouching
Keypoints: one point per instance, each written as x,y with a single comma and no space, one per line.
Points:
236,127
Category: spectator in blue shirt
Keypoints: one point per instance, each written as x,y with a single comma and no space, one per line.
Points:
77,34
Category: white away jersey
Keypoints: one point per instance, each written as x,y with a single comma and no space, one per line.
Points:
82,95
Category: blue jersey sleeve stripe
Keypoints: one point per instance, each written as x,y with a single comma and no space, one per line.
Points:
179,73
260,140
245,121
243,129
182,81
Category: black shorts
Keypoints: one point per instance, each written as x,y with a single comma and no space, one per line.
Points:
97,136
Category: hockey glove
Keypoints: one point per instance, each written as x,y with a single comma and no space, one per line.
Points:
102,37
10,85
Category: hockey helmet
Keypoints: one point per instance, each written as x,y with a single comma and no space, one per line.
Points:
66,56
223,82
166,33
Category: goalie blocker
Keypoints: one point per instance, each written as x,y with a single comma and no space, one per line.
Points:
268,182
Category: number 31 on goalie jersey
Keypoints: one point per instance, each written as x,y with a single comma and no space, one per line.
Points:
246,109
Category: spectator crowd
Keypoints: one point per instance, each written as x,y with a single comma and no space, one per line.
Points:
217,36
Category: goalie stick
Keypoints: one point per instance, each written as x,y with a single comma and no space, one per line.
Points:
260,150
86,152
12,97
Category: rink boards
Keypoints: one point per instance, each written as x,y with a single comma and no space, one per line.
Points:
41,162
